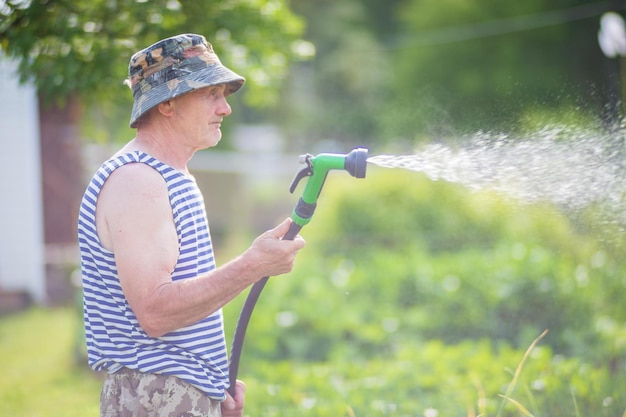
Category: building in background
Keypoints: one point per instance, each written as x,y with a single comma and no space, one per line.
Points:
22,259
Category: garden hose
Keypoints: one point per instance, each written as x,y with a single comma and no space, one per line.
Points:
316,170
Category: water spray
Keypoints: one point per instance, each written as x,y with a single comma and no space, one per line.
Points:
571,168
315,171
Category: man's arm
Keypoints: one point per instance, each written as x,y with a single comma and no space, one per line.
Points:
135,222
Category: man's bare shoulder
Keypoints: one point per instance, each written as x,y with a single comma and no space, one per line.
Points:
132,190
135,178
133,199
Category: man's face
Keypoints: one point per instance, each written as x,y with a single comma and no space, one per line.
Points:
199,115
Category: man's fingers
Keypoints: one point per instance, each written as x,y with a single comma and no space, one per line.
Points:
280,230
240,392
229,402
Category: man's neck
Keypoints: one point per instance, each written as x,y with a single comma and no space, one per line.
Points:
165,148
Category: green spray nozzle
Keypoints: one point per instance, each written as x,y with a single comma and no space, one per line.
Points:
316,170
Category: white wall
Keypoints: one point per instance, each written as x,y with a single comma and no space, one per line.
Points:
21,223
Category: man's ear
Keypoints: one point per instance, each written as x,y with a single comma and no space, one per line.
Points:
166,108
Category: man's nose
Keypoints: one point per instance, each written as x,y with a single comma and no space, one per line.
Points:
224,108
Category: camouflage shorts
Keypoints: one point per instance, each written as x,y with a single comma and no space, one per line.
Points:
130,393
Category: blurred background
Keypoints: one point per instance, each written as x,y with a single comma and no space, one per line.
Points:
414,296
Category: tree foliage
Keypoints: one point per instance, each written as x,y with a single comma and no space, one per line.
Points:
385,71
415,70
488,65
69,46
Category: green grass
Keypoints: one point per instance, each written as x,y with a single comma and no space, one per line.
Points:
40,376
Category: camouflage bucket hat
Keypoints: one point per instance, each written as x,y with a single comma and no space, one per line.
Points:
172,67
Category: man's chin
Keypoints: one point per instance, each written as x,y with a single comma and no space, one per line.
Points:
214,141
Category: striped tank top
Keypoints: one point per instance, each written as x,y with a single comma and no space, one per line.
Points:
196,353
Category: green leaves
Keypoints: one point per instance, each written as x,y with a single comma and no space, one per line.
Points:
398,259
84,46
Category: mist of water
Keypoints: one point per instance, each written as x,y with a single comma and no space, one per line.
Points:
573,169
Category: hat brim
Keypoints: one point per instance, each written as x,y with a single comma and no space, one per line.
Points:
215,74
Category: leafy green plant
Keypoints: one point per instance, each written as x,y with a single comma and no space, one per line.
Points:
399,259
417,378
471,378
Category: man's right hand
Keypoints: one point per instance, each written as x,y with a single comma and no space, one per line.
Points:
270,255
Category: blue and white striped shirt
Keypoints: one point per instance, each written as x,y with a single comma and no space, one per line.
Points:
196,353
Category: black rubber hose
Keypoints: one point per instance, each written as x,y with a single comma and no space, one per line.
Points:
244,318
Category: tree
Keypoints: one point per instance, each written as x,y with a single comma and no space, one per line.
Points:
77,51
404,71
344,84
488,64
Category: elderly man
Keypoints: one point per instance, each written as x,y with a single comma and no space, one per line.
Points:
152,292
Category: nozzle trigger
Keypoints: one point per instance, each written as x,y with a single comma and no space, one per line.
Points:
304,172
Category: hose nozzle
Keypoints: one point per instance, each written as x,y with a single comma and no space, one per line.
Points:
356,162
316,170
